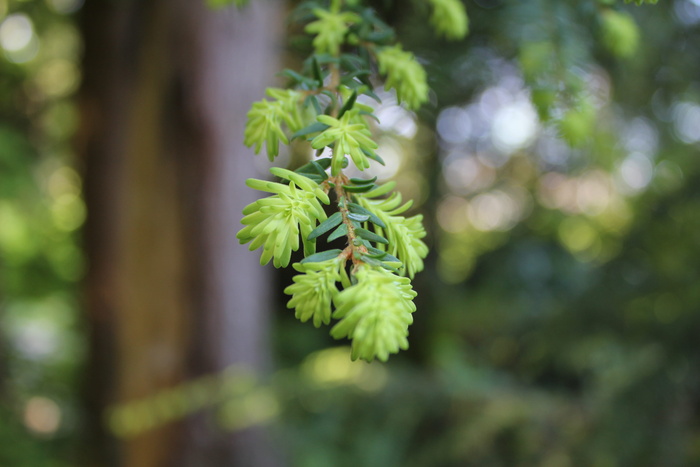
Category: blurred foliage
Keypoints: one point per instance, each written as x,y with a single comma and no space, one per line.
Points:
40,212
559,317
557,169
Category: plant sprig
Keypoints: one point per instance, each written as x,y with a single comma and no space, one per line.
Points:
366,284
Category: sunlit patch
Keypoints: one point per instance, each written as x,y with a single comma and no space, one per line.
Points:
391,152
68,212
254,408
63,180
635,173
16,32
58,78
452,214
466,174
42,416
557,191
514,126
641,136
579,236
333,367
593,192
454,125
14,232
686,120
36,339
495,210
17,38
687,11
552,150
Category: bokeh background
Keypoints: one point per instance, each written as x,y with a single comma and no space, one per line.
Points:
557,166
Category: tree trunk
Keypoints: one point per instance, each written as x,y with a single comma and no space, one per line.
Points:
170,295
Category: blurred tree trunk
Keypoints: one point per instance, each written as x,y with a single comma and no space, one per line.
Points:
170,295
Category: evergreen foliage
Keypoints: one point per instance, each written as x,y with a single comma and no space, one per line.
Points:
382,247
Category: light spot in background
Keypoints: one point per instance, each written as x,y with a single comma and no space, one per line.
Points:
466,174
36,339
495,210
42,416
454,125
593,192
17,38
391,152
65,6
333,367
493,159
552,150
514,126
452,214
63,180
491,100
14,232
68,212
16,32
396,119
687,11
686,120
58,78
255,408
577,235
634,173
557,191
641,136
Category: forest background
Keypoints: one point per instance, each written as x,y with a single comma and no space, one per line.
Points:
556,166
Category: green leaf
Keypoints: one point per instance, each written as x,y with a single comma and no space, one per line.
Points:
326,226
316,178
299,78
383,255
318,74
371,261
313,167
380,37
348,104
371,236
357,209
315,127
322,256
373,156
370,115
313,100
358,217
319,168
358,189
375,262
353,62
362,181
339,232
364,88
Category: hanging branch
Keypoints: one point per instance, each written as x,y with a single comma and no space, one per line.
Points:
366,286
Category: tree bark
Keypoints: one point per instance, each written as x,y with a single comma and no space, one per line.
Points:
170,295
